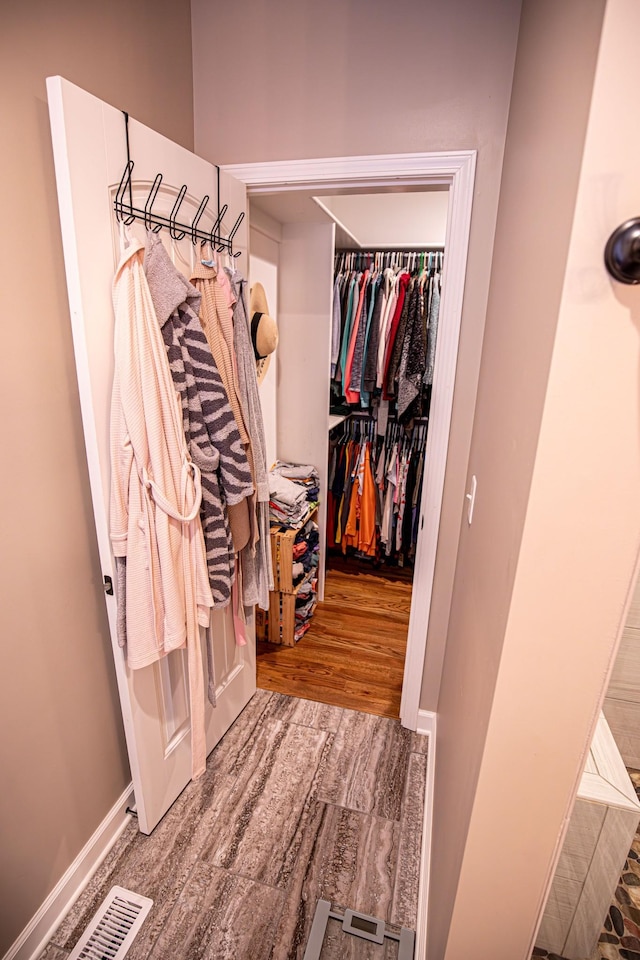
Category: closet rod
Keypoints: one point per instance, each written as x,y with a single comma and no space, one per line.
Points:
127,213
394,248
363,415
390,256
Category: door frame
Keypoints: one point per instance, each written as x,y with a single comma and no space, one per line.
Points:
456,170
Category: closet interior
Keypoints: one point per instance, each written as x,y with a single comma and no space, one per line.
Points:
356,282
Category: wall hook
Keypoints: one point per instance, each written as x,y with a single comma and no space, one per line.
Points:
177,234
153,193
199,212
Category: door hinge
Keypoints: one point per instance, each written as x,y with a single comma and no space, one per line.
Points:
108,585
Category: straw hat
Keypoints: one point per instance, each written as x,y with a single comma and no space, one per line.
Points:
264,330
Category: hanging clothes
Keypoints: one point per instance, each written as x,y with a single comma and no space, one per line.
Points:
350,393
361,336
217,324
374,491
391,280
391,478
435,281
209,425
412,364
346,321
155,496
396,337
255,557
399,315
371,347
214,443
336,317
384,330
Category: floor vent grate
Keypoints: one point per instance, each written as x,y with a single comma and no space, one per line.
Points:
114,927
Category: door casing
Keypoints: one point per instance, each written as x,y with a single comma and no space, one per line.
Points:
455,170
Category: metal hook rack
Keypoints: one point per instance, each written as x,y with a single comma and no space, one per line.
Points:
126,212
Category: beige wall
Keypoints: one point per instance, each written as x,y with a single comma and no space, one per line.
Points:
367,77
544,573
62,753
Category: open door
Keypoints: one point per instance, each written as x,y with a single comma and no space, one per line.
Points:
90,154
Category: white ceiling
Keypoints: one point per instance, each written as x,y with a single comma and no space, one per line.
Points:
407,218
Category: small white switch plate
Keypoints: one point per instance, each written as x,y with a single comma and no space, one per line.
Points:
471,498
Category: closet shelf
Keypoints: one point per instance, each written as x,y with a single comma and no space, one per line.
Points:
335,420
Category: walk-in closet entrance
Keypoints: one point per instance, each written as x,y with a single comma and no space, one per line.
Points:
354,274
387,257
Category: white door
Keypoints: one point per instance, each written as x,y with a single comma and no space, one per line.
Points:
90,155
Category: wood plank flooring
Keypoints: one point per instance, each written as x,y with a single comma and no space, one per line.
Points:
353,654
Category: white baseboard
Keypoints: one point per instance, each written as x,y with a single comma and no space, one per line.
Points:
426,722
37,933
427,726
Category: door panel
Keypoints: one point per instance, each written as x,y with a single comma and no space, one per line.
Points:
90,155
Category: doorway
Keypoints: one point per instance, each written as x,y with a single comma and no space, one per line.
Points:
454,172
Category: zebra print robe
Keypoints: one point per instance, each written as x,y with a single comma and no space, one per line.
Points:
212,435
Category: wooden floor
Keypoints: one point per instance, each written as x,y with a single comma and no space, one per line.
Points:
353,654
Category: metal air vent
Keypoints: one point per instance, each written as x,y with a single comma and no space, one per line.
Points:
114,927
